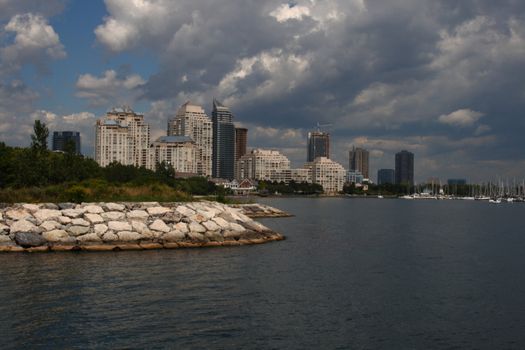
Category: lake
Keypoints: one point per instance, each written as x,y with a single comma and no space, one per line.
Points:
352,274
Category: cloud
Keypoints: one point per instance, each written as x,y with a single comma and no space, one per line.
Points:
109,90
35,42
461,117
9,8
287,12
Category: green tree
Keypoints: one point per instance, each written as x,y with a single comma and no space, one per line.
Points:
39,137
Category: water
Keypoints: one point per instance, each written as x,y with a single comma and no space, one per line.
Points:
353,274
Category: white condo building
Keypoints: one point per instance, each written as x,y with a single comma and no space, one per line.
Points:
262,164
327,173
177,151
192,121
122,136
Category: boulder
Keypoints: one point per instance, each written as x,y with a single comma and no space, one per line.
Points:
140,227
51,206
171,217
5,239
56,236
115,206
223,224
100,229
214,236
230,234
31,207
50,225
78,230
47,214
127,236
174,236
196,227
113,215
29,239
63,206
90,237
18,214
137,215
4,228
64,220
110,237
182,227
236,227
93,209
159,225
94,218
80,222
254,226
198,218
197,236
185,211
23,226
73,213
211,225
156,211
119,226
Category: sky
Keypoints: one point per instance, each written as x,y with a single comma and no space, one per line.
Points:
444,79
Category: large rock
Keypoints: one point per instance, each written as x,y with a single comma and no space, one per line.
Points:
94,218
236,227
254,226
73,213
198,218
171,217
225,225
18,214
100,229
182,227
113,216
185,211
31,207
174,236
140,227
159,225
78,230
50,225
115,207
63,206
90,237
56,236
214,236
208,214
137,215
211,225
23,226
127,236
156,211
196,227
197,236
110,237
4,228
80,222
93,209
29,239
64,220
47,214
119,226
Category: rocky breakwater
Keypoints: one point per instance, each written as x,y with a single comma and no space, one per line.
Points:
126,226
257,210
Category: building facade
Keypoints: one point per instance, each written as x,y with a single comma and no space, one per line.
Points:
386,176
191,120
262,164
404,168
223,154
123,137
62,138
241,142
327,173
358,161
318,145
177,152
354,177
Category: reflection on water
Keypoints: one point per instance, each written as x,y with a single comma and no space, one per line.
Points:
352,274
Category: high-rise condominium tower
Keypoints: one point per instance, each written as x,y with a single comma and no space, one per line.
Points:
318,145
62,138
192,121
223,163
405,168
241,141
359,161
122,136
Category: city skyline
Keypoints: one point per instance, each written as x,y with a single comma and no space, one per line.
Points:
450,94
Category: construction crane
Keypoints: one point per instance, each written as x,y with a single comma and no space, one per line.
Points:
319,126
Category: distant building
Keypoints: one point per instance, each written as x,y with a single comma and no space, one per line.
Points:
358,161
354,177
241,142
262,164
223,160
456,182
386,176
405,168
62,138
327,173
191,120
123,137
318,145
177,152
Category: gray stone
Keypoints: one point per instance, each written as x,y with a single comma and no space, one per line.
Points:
197,236
127,236
140,227
64,220
63,206
155,211
1,217
100,229
80,222
56,236
18,214
174,236
198,218
73,213
4,228
208,214
113,215
254,226
185,211
182,227
110,237
31,207
47,214
23,226
5,239
214,236
119,226
90,237
159,225
50,225
115,206
51,206
236,227
78,230
29,239
229,234
227,217
93,209
211,225
225,225
137,215
94,218
171,217
196,227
